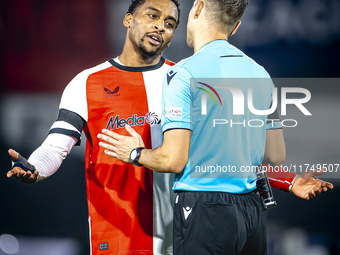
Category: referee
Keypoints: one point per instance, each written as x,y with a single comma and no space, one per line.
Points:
218,213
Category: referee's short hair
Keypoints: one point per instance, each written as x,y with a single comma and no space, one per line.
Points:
136,3
225,12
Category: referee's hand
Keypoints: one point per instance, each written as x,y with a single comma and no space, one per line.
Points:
307,186
29,176
120,146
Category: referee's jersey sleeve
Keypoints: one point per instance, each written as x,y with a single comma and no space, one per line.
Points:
176,99
274,121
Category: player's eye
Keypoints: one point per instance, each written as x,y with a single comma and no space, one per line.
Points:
170,25
153,16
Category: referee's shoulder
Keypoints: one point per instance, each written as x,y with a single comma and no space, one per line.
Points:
256,65
189,63
182,66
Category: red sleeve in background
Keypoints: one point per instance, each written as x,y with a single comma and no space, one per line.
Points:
279,178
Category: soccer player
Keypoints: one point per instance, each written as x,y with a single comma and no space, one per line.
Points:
212,214
124,201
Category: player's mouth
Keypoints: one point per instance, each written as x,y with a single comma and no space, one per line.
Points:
155,39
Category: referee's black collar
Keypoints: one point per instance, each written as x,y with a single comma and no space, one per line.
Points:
137,69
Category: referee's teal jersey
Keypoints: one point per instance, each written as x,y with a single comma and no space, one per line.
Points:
229,139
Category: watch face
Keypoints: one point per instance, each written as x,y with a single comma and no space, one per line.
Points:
133,154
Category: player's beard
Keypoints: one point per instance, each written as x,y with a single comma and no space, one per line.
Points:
145,51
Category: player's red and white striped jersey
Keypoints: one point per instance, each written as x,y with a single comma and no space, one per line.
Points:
130,208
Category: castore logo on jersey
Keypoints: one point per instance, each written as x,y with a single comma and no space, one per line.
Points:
113,93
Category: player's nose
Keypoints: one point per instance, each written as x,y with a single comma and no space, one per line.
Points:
159,25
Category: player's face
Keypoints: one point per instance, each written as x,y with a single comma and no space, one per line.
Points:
153,25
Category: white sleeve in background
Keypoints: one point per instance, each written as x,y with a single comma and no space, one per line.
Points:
49,156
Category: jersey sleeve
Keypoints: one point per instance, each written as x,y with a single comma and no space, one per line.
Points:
74,96
274,121
176,99
72,109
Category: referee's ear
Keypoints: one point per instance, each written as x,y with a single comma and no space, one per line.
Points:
128,20
235,28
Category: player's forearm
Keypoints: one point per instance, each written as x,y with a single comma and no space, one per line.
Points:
49,156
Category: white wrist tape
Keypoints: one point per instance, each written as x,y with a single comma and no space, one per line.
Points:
49,156
291,185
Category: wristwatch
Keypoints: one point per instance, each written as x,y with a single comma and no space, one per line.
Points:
135,154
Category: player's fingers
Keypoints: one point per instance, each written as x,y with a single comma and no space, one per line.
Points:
324,190
29,177
26,176
32,178
313,193
13,172
317,172
111,134
35,175
20,173
13,154
317,193
328,185
16,172
107,146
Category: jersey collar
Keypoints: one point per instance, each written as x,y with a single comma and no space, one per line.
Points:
137,69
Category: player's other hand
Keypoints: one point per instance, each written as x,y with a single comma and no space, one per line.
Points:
307,186
27,175
120,146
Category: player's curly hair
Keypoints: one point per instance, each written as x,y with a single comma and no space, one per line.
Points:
136,3
227,12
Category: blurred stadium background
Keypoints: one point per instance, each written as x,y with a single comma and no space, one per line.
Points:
45,43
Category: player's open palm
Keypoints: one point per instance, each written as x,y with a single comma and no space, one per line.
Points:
307,186
22,170
120,146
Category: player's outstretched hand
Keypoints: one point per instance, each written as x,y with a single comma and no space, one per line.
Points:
22,170
120,146
307,186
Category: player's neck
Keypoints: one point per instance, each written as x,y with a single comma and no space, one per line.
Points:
134,58
202,39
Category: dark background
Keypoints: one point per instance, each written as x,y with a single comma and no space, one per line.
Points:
45,43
